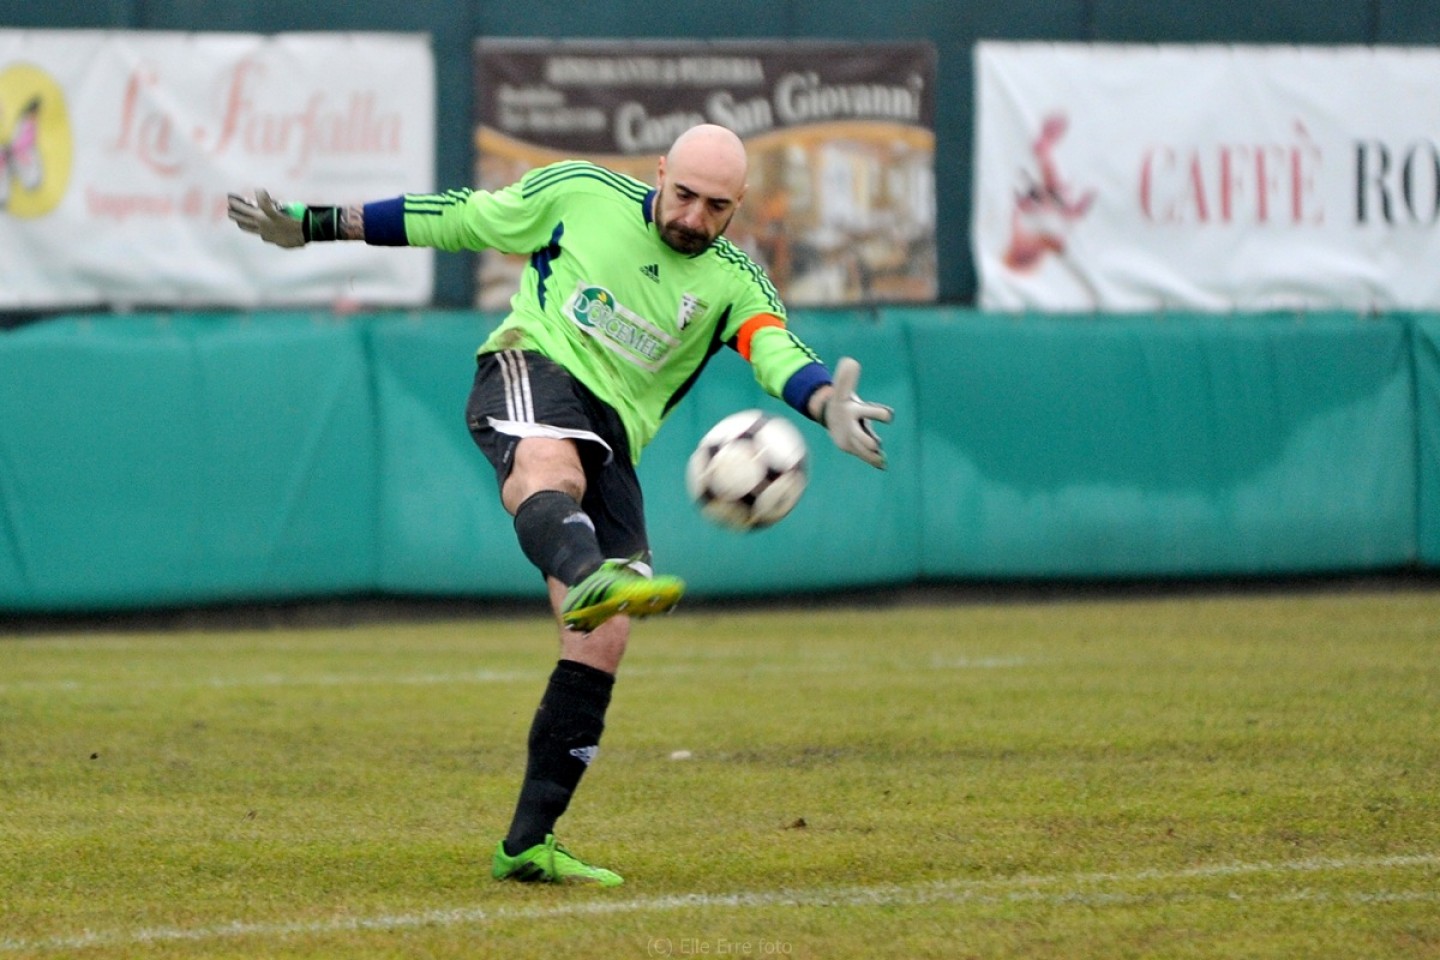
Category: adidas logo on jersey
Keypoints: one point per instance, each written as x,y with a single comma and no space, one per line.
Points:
651,270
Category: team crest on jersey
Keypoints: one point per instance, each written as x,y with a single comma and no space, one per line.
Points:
596,311
691,307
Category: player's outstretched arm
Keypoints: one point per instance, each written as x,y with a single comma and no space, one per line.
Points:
295,224
848,418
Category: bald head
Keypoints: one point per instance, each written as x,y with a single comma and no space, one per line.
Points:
712,153
700,183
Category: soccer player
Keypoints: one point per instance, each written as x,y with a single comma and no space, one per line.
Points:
628,293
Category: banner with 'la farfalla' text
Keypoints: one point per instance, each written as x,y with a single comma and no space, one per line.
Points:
1142,178
117,151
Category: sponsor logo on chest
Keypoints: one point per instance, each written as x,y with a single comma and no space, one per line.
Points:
596,311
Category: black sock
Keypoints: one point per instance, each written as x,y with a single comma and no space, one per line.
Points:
557,536
563,740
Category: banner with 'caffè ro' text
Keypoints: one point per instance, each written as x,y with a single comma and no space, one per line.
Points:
1141,178
117,151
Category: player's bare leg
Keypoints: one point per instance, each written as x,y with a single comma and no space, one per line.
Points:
602,648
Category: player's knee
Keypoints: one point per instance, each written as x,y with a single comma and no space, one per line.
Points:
574,487
543,464
526,481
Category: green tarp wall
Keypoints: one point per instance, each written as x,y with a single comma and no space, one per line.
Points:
173,459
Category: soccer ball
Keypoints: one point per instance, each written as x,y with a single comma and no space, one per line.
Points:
748,471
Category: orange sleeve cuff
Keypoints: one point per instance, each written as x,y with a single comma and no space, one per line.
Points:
750,327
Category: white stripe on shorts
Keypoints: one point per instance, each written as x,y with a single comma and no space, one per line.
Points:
516,374
520,429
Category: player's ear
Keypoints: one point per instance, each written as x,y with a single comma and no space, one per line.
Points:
660,171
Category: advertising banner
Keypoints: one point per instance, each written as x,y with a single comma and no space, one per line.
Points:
841,201
117,150
1142,178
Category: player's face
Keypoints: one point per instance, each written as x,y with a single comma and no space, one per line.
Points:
690,213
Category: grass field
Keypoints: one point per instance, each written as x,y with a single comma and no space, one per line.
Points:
1224,777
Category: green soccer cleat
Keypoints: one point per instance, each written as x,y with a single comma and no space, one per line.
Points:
549,862
614,589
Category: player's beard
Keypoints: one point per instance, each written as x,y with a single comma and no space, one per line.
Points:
683,239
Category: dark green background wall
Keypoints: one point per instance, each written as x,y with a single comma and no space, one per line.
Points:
952,25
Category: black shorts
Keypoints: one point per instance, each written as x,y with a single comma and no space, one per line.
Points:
519,394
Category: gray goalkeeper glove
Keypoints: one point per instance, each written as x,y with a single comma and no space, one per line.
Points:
847,417
274,223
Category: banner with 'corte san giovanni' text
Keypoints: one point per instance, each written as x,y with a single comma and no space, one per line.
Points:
841,200
117,150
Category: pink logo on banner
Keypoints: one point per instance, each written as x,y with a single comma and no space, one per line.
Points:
1046,210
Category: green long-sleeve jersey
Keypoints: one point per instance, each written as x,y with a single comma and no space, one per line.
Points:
605,296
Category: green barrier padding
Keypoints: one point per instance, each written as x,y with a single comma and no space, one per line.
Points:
156,460
1426,335
443,529
1194,445
148,461
854,526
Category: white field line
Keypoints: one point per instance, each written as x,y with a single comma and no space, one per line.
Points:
1084,889
270,680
